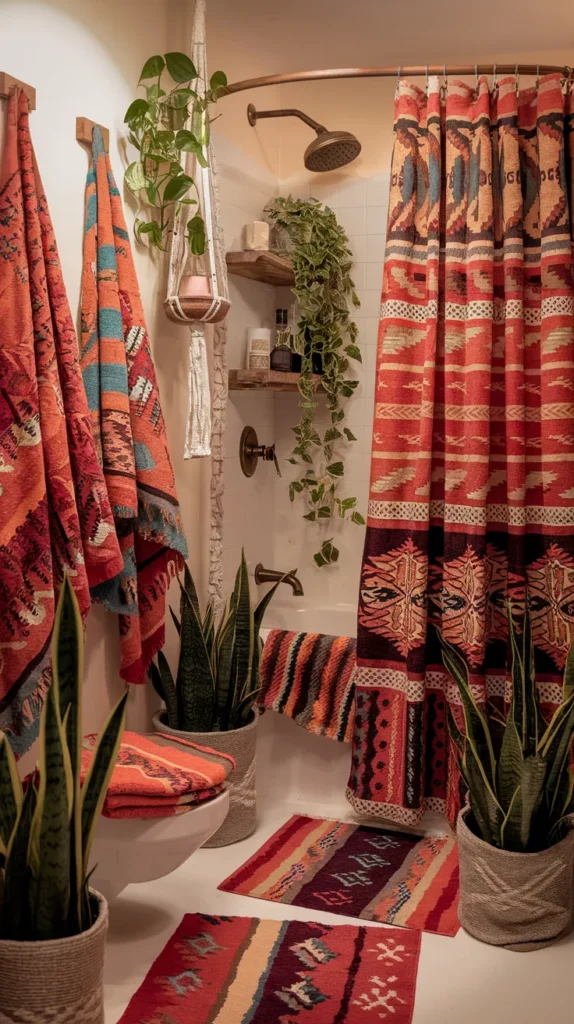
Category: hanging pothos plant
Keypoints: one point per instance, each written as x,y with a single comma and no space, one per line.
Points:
163,126
327,340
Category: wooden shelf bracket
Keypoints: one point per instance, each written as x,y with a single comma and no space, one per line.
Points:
84,128
8,82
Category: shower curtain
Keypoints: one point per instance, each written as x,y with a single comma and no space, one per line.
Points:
472,472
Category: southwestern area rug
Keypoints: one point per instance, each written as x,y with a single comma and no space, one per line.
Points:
376,875
240,970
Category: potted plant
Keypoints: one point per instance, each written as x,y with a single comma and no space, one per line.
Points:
166,126
516,846
52,925
211,701
327,342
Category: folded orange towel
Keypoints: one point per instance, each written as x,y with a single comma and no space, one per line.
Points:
153,778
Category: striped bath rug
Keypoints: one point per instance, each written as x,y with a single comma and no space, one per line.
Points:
371,873
240,970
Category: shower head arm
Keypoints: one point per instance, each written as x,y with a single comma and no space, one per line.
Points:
253,116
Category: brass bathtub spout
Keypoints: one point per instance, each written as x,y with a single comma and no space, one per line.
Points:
272,575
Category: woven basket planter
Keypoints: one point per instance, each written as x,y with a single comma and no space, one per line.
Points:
55,982
241,820
522,901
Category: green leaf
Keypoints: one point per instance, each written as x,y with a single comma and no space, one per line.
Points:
244,631
51,838
16,918
179,98
349,434
68,674
153,93
531,790
354,352
318,558
217,81
152,229
336,469
195,682
311,516
180,67
476,725
196,235
358,519
10,792
332,434
136,111
152,67
510,763
169,690
99,774
324,512
510,827
177,187
135,177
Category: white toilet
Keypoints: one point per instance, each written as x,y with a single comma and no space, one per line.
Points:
127,850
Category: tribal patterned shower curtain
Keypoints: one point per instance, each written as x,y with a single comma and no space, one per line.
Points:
472,474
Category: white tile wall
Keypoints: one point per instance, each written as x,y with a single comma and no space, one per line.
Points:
258,514
245,189
361,207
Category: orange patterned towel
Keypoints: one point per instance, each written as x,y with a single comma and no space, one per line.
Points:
155,779
55,516
309,677
128,425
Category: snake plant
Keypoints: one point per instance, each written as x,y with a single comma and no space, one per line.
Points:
517,768
218,670
47,824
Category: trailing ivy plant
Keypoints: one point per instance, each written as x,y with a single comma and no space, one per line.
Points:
163,126
322,264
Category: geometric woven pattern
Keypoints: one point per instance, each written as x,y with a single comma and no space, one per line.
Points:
376,875
240,969
471,492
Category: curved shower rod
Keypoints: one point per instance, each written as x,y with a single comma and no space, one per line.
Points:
413,71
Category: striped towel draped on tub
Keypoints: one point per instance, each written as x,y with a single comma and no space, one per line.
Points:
309,677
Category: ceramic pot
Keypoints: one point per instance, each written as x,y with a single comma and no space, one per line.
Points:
240,743
522,901
194,301
59,980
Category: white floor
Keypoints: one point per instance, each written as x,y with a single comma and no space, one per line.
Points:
460,981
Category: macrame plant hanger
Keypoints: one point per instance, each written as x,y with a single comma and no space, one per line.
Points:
198,294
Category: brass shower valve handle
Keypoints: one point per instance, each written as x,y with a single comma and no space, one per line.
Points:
250,451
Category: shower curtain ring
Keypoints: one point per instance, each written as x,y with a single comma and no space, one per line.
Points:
494,82
427,78
537,75
399,73
517,78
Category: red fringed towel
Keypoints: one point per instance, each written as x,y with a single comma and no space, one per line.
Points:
153,778
309,677
55,514
128,425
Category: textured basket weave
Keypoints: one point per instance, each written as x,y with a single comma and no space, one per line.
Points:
240,743
56,982
522,901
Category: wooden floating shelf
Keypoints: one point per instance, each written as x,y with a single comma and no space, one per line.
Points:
259,265
266,380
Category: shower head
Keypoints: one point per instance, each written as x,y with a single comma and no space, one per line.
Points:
331,150
327,152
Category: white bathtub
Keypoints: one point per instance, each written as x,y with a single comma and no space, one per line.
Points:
307,772
338,620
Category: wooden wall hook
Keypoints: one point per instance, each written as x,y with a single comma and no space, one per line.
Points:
84,128
7,83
